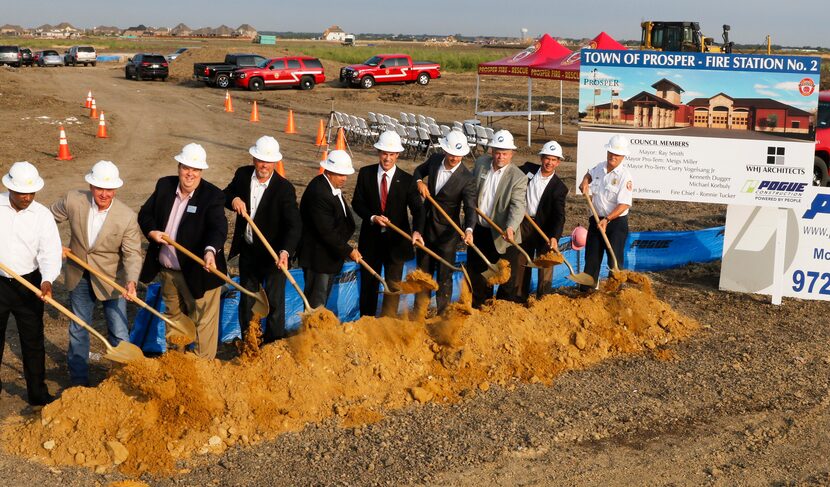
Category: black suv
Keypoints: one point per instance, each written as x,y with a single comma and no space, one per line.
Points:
26,57
146,66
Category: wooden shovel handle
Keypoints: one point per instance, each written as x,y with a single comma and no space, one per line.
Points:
491,223
56,304
541,232
422,246
601,231
276,258
457,228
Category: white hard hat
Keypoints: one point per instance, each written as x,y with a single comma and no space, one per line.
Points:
551,148
454,144
502,140
23,178
617,145
104,174
338,162
193,155
389,141
267,149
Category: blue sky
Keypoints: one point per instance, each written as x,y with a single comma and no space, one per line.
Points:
790,23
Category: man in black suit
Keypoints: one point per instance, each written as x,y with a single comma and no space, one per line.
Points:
271,202
328,224
190,211
382,194
452,185
546,194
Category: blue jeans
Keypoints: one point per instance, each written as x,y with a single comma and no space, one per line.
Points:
83,304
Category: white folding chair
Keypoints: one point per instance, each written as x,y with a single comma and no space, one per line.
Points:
457,126
481,136
405,119
373,120
421,118
412,140
445,130
430,120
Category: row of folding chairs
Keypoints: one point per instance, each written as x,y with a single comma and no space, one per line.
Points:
356,129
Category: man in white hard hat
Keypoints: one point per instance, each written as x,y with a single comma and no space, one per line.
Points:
104,233
383,193
612,189
270,200
328,224
451,184
502,189
190,211
546,195
31,247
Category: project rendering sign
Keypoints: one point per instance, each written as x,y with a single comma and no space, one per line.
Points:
749,248
703,127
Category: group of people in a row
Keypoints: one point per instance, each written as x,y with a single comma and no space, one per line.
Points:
189,210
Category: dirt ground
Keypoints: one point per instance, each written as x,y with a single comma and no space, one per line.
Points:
742,401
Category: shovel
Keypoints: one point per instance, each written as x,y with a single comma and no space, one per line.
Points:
504,236
422,247
308,309
260,307
614,269
493,270
124,352
582,277
386,289
183,327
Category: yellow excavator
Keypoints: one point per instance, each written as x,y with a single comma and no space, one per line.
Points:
680,37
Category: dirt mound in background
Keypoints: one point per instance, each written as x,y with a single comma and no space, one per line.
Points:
153,413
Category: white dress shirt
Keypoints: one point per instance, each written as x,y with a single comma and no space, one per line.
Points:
95,221
30,240
535,187
389,174
339,194
610,189
257,190
444,175
487,197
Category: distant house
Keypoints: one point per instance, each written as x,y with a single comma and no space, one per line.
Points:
63,30
246,31
106,30
11,30
181,30
222,31
202,32
137,31
334,33
161,31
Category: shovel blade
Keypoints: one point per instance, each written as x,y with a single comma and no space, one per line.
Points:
183,327
260,307
583,278
124,352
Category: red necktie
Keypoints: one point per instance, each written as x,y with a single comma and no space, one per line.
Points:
384,191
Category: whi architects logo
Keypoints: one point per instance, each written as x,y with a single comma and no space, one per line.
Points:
775,155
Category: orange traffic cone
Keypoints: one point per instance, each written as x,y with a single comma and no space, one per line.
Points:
341,140
289,127
325,156
93,111
228,102
254,113
280,169
63,148
321,134
88,102
102,127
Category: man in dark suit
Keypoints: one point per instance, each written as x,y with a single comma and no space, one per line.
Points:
546,194
328,224
271,202
452,186
382,194
190,211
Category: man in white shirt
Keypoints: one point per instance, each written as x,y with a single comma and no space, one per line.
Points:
611,188
103,232
30,246
271,202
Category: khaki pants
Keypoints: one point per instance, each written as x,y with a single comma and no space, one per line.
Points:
203,311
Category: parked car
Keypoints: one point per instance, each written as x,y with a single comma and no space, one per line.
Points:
301,71
176,54
146,66
48,57
81,55
26,57
389,68
10,55
219,74
821,176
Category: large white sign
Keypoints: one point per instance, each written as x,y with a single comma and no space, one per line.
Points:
749,248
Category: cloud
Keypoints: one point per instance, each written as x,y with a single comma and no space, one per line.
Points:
759,86
678,76
691,95
787,85
768,93
663,73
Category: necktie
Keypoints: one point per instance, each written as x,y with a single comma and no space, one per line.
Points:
384,191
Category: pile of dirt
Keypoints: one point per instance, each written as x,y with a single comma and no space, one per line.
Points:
418,281
502,275
150,414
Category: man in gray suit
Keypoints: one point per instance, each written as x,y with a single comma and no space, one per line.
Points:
502,189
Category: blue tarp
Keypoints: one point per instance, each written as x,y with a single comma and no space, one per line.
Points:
645,251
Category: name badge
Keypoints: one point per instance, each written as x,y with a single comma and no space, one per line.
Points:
191,209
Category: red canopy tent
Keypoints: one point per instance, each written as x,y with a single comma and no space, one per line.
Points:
567,67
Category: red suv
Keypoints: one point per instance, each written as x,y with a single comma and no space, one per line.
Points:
302,71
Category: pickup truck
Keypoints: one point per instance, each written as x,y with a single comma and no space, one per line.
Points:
219,74
389,68
302,71
821,177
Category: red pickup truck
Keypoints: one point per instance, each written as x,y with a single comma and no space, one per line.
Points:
389,68
821,177
302,71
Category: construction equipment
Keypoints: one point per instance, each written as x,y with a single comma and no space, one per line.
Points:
680,37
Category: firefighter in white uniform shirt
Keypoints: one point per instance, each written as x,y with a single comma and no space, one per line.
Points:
611,189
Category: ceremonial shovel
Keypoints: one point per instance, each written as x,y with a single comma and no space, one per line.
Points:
581,278
184,326
386,289
260,307
614,269
124,352
504,236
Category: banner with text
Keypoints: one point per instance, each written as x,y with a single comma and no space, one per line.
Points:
703,127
